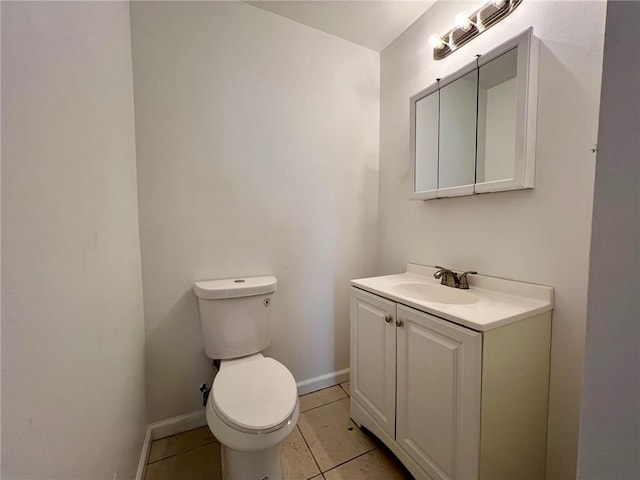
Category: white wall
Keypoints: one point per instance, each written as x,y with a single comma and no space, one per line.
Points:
540,235
257,148
610,418
500,122
72,325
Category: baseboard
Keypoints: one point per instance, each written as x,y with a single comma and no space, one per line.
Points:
323,381
166,428
179,424
146,447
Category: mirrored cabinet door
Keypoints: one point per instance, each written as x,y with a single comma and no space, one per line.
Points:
507,104
497,90
426,144
457,138
474,131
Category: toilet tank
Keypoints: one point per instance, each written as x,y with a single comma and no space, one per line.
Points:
235,315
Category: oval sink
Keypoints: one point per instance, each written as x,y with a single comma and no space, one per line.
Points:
433,293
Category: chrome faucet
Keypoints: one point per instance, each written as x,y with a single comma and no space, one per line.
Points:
453,279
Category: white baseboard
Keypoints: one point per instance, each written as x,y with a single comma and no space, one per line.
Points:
166,428
323,381
189,421
142,463
179,424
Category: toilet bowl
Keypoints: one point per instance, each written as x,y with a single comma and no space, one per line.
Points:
252,408
253,402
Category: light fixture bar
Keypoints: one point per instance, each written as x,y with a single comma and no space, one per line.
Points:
470,26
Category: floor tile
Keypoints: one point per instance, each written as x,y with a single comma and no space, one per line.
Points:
169,446
202,463
332,437
321,397
296,460
346,387
377,464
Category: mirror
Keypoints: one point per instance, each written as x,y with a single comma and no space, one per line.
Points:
497,89
426,143
474,131
457,155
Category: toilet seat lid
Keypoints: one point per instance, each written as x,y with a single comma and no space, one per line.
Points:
256,395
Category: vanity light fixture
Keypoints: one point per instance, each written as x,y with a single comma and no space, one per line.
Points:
437,42
470,26
463,21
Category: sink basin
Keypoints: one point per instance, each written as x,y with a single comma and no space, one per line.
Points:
490,303
433,293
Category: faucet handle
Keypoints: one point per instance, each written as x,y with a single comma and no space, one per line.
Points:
449,278
463,283
440,271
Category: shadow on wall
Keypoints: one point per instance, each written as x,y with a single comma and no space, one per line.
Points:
341,323
177,331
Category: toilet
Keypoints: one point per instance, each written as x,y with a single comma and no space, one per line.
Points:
253,402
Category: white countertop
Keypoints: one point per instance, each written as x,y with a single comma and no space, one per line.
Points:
498,302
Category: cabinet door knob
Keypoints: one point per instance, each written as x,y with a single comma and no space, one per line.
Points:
399,323
388,318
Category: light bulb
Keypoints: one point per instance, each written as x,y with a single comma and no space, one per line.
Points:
436,41
498,3
462,21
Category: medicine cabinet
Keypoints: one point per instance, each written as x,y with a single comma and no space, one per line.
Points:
474,130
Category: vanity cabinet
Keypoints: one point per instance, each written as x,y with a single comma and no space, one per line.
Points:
438,393
425,386
373,357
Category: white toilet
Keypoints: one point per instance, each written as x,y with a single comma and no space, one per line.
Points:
253,403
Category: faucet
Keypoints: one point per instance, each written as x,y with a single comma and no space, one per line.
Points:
453,279
449,278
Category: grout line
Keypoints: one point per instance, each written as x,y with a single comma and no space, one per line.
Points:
215,440
328,403
177,434
310,451
323,405
321,390
340,385
316,391
350,460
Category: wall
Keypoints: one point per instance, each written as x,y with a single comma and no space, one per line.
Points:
257,148
541,235
500,130
72,325
610,418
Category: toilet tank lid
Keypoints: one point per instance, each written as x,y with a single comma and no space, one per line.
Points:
235,287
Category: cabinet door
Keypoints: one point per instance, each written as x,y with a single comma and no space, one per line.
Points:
439,380
373,356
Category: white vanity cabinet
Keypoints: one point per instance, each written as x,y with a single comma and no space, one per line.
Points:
373,357
451,402
438,393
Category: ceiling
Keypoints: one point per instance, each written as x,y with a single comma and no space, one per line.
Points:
372,24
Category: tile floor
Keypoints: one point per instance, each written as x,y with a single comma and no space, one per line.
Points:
326,444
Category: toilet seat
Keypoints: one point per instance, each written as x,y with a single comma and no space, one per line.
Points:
258,395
